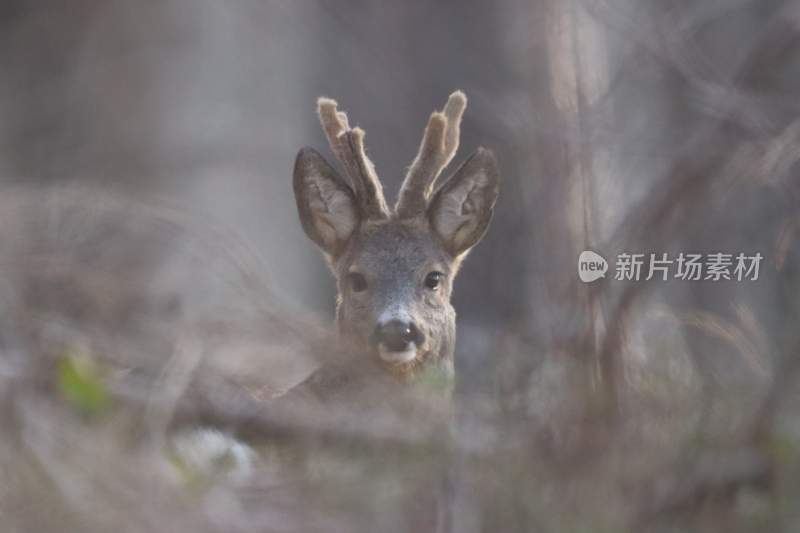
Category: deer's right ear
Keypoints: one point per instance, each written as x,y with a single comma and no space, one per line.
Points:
326,204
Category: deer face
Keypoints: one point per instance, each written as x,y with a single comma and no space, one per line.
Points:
395,267
394,293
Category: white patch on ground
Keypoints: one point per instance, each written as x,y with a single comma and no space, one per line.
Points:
211,453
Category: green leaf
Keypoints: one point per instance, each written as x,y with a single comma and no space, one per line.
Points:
81,384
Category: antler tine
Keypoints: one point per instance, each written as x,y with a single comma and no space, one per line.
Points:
347,145
453,110
438,147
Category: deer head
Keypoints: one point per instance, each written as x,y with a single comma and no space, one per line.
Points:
394,267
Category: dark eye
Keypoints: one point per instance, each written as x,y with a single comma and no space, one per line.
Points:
357,282
433,279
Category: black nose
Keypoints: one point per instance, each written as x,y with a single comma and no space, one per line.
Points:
396,336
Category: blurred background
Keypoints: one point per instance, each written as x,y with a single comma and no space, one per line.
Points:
153,265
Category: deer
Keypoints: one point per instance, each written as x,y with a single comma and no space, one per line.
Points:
394,269
394,266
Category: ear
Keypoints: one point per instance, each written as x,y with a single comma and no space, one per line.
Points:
326,204
461,209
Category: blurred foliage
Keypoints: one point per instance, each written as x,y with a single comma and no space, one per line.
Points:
81,383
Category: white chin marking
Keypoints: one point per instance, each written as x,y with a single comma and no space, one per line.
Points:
398,357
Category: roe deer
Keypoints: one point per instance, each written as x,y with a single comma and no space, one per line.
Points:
394,267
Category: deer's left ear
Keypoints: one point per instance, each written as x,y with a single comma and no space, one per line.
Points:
461,209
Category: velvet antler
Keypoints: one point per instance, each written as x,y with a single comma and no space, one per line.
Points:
439,145
348,147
